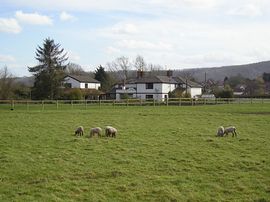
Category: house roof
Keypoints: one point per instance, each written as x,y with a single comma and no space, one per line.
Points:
83,78
163,79
181,80
156,79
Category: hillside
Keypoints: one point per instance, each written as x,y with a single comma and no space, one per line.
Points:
216,73
219,73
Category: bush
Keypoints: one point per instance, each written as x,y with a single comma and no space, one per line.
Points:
73,94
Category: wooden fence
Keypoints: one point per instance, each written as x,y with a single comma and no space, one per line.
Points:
84,104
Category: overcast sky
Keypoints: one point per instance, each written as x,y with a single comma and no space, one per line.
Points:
177,34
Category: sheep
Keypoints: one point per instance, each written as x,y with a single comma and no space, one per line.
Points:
94,131
230,129
110,131
79,131
220,131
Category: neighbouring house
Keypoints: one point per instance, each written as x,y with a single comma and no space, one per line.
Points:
88,86
239,90
193,88
81,81
153,87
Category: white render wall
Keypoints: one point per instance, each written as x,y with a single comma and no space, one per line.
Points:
166,88
159,91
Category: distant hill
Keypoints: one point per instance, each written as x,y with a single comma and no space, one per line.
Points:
28,81
250,71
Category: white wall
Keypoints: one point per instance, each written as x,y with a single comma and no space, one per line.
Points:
159,91
166,88
74,83
195,92
90,85
77,84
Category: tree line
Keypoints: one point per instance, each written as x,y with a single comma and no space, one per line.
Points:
53,65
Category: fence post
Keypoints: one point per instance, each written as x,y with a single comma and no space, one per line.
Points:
154,103
27,105
71,104
113,103
167,101
12,104
141,101
42,104
56,104
99,103
250,100
180,102
127,102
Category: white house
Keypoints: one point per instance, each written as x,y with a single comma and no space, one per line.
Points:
155,87
81,81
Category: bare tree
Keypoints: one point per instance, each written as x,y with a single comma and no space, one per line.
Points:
122,66
6,83
75,69
140,63
155,69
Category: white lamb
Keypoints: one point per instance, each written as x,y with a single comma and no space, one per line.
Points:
230,129
110,131
79,131
220,131
94,131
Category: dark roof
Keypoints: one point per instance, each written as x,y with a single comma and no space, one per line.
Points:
181,80
83,78
156,79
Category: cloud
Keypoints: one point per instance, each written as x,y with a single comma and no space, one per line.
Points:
116,5
112,50
64,16
124,28
6,58
144,45
9,25
250,10
72,56
33,18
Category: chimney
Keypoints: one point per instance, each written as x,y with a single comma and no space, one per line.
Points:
169,73
139,73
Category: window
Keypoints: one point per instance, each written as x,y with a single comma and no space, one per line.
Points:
149,86
86,85
149,96
67,85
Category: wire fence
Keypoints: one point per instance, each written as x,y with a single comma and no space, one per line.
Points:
84,104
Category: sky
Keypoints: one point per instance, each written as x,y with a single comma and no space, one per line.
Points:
176,34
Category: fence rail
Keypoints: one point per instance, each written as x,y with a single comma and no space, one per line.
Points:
84,104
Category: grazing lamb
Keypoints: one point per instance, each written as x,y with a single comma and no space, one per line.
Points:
110,131
79,131
94,131
230,129
220,131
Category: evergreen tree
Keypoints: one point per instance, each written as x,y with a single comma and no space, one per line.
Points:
104,78
49,73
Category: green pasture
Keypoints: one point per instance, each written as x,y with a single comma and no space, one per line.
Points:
161,153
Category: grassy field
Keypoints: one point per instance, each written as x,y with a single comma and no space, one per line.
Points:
159,154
